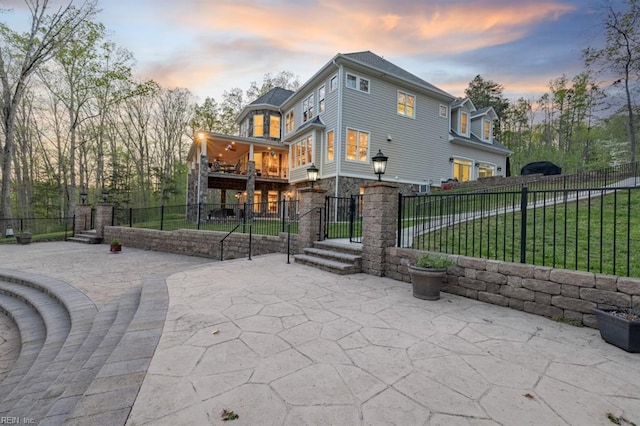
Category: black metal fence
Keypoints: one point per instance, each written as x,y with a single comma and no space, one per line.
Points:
343,218
592,229
58,227
266,219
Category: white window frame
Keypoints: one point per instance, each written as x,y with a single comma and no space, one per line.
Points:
482,165
333,83
322,91
485,123
358,133
308,108
443,111
289,121
468,124
305,145
466,162
406,98
359,81
333,146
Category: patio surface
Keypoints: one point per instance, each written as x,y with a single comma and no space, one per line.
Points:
280,343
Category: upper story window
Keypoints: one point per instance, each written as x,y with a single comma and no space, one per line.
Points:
443,111
258,125
288,122
464,123
357,145
302,152
307,108
406,104
330,145
486,130
357,83
274,126
333,83
321,94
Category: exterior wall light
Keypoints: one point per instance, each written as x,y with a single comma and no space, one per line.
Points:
379,164
312,174
83,196
105,195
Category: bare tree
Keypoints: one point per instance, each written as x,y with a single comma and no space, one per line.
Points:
620,57
20,56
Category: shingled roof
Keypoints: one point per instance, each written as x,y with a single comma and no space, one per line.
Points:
372,60
275,97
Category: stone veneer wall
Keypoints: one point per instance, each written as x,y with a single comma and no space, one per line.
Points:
351,186
550,292
199,243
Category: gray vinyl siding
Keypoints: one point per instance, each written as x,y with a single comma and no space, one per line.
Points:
330,119
418,144
476,156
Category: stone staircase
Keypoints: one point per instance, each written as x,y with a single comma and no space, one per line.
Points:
86,237
333,256
77,364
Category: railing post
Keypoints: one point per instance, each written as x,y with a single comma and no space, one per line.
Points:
399,221
130,217
250,235
523,224
284,207
162,218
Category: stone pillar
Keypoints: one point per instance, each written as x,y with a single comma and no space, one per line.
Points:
310,226
104,217
379,217
82,220
251,189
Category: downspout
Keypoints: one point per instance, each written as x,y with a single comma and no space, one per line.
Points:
338,139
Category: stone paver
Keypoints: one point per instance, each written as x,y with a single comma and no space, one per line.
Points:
285,344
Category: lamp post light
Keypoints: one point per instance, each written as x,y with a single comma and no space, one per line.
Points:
105,195
83,196
312,174
379,164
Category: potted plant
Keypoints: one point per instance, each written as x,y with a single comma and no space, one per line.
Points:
620,327
427,274
116,247
23,238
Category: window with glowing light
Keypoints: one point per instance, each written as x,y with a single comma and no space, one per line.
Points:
288,122
462,169
464,123
406,104
357,145
274,126
330,145
302,152
258,125
487,130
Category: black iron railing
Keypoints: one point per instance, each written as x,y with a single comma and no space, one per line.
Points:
591,229
265,218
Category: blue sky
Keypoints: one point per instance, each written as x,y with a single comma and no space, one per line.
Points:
210,46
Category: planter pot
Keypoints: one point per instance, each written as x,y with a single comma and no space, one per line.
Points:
116,248
23,238
426,282
617,330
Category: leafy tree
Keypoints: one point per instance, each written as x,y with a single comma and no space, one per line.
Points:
284,79
486,93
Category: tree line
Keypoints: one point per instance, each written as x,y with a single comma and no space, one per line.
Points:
76,119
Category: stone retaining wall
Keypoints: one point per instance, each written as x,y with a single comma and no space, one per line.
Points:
199,243
550,292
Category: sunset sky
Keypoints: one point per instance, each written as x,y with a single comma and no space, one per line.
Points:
210,46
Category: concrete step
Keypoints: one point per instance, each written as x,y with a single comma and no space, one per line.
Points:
58,406
353,259
325,264
57,325
86,237
32,336
339,246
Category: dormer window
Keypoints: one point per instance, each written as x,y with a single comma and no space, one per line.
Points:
464,123
486,130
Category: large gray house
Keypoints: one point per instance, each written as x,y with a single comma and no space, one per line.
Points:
355,106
